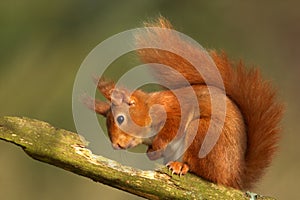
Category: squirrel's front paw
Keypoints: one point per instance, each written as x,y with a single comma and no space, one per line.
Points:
154,154
178,167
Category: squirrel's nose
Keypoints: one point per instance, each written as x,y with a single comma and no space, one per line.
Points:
117,146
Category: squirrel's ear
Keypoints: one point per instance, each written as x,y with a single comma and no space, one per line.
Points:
99,107
119,96
115,95
105,87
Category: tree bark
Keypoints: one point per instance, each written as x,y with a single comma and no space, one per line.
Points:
68,151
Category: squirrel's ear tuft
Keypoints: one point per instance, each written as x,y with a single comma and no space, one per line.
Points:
99,107
115,95
105,86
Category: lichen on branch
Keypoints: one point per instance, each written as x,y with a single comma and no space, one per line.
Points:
68,151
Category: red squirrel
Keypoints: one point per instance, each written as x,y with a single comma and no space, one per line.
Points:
249,135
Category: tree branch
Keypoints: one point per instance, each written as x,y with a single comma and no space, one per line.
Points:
67,150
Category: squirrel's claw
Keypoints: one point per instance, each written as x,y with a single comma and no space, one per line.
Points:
178,167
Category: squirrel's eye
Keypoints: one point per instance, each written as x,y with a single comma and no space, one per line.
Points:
120,119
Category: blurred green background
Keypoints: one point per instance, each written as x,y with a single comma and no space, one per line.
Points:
42,45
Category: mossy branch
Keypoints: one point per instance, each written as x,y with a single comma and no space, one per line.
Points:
67,150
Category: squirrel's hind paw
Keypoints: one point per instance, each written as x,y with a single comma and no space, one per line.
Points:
178,167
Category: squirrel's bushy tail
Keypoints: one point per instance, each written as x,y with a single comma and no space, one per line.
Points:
262,114
255,97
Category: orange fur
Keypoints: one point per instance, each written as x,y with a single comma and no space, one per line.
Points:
250,133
